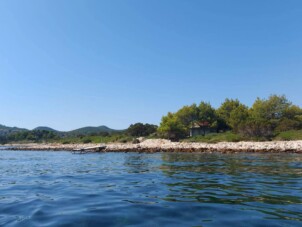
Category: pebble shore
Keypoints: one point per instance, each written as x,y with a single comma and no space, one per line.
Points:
161,145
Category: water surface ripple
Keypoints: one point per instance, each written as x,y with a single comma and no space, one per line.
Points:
141,189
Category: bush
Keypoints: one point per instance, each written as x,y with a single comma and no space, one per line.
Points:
140,129
66,142
289,135
171,128
216,137
256,129
125,140
86,140
287,125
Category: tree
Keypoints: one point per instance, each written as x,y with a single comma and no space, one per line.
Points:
233,113
172,128
140,129
271,109
224,111
238,116
3,139
293,112
35,135
254,128
265,118
207,114
188,114
274,114
150,129
292,119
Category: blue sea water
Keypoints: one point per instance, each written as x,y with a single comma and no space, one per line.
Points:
143,189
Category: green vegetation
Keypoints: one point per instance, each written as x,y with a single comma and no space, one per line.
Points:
274,118
215,137
140,129
91,131
30,136
289,135
267,119
100,134
4,130
110,138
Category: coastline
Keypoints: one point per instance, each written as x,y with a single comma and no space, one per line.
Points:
161,145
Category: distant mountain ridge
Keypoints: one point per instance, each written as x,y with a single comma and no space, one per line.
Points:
5,130
45,128
91,129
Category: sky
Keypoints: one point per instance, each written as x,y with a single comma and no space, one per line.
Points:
73,63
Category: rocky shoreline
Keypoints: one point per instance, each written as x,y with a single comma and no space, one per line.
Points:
161,145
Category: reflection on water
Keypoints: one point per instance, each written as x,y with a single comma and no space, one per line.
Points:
171,189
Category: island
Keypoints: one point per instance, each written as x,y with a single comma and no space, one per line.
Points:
269,125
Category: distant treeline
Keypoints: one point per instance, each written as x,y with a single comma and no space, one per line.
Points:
32,136
232,121
42,135
262,120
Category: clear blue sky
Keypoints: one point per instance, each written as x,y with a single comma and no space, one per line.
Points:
71,63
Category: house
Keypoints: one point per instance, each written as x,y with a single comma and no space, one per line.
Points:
200,128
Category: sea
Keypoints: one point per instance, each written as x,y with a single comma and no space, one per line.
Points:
44,188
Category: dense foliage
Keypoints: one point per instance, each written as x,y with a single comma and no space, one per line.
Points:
265,119
272,118
29,136
100,134
140,129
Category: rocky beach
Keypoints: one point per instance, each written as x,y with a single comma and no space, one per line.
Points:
162,145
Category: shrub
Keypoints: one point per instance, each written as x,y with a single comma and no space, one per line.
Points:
288,124
256,129
66,142
289,135
216,137
86,140
140,129
124,140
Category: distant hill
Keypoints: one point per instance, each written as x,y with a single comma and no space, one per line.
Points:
81,131
90,129
5,130
44,128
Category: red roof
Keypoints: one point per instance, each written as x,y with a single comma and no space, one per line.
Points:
199,124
